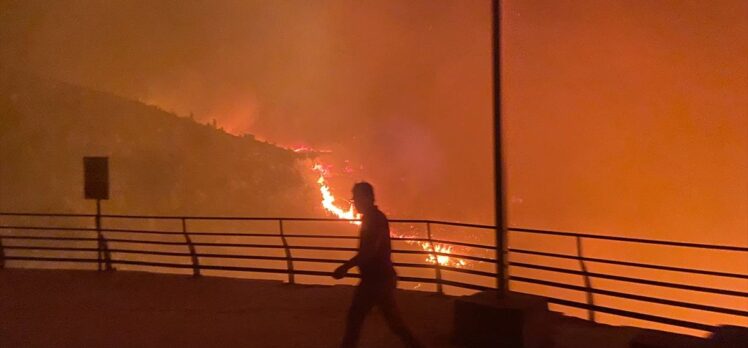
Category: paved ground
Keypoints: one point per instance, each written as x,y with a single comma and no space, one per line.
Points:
129,309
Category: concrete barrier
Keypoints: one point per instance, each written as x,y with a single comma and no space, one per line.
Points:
516,321
729,336
662,339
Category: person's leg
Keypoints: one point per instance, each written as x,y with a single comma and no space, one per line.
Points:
391,314
362,302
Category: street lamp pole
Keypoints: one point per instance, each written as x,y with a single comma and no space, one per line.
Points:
502,283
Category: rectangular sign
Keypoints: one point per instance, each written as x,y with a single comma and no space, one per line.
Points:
96,171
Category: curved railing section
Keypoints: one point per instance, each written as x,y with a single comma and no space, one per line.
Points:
279,246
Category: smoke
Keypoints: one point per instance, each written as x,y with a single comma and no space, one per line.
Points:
381,84
620,118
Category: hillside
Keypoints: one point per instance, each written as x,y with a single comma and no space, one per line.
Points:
159,163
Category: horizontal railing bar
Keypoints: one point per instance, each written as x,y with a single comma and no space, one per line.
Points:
319,236
457,256
632,264
301,259
285,271
31,247
632,240
470,245
124,230
321,273
180,233
244,245
355,275
633,296
300,247
632,280
468,271
313,236
47,214
635,315
274,258
415,279
227,256
245,257
306,247
408,239
441,241
225,268
249,234
298,259
226,218
80,239
46,228
250,257
447,223
226,234
312,259
467,285
148,252
154,264
49,259
160,232
140,241
234,234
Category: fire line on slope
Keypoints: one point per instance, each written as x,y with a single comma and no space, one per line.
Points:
329,204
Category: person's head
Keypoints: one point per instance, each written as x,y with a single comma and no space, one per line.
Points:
363,196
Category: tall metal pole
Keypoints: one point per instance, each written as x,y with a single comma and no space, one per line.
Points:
501,268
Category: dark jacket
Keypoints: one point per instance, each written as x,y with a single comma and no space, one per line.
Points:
373,258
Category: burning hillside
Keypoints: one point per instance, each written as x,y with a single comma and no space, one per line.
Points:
161,163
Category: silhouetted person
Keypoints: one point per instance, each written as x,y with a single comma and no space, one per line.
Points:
378,278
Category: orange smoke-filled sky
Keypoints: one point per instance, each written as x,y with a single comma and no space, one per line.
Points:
621,117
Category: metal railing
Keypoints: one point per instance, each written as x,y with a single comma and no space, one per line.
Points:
20,242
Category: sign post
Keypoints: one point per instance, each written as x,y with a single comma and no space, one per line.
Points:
96,175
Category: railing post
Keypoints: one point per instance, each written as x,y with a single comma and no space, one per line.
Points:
193,253
437,266
103,247
289,259
99,237
587,281
2,254
107,255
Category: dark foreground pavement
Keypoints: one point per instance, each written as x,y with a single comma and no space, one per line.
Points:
53,308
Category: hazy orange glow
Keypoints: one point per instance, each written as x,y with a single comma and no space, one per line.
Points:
621,117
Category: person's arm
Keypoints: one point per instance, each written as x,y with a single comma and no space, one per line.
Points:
369,246
371,241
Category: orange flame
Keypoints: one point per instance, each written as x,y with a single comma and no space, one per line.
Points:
443,260
328,202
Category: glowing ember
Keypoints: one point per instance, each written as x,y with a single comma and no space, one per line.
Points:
306,149
444,260
328,202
